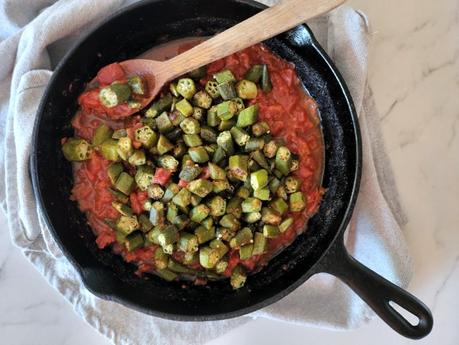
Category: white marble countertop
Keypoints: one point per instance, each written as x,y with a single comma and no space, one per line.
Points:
414,73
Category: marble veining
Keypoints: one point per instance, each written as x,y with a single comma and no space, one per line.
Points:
414,75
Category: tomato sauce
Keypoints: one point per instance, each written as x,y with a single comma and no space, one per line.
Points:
289,111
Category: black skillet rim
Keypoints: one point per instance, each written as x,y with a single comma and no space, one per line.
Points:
316,267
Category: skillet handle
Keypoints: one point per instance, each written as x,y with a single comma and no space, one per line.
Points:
377,292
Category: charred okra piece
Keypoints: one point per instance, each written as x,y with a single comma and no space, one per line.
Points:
212,89
270,216
160,259
189,172
254,73
208,257
155,192
198,154
258,157
157,213
260,128
123,209
252,217
202,99
137,85
164,123
134,241
114,94
125,148
145,224
234,207
169,235
216,173
208,134
220,186
137,158
168,162
292,184
182,198
225,141
190,126
226,110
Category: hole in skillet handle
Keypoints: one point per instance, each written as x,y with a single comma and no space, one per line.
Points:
384,297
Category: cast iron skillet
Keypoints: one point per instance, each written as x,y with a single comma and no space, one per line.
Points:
133,31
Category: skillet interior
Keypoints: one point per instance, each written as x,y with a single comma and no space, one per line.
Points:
126,35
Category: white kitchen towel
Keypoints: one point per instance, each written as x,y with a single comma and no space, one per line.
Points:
36,33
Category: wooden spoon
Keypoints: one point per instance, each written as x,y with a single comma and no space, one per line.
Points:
266,24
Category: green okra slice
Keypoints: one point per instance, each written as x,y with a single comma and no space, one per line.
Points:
270,148
217,206
254,73
286,224
279,205
270,231
281,193
189,172
238,277
220,186
181,222
164,145
221,247
202,99
172,212
225,141
179,149
260,244
240,136
144,177
203,234
125,183
227,90
226,110
191,258
199,213
134,241
208,257
160,259
251,205
283,160
224,76
137,85
212,89
145,224
243,237
182,198
166,274
260,128
230,221
114,171
164,123
266,85
192,140
168,162
270,216
198,154
208,222
102,133
176,117
169,235
178,268
208,134
258,157
123,209
254,144
259,179
157,213
226,125
243,192
186,87
253,166
127,224
245,252
200,187
234,207
238,166
198,113
248,116
225,234
212,118
262,194
119,133
246,89
114,94
159,106
109,150
125,148
297,202
216,173
137,158
221,266
171,190
292,184
219,155
274,184
121,197
190,126
184,107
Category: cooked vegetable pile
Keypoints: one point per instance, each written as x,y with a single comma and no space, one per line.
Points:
217,181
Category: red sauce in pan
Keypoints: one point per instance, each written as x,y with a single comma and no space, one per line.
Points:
290,113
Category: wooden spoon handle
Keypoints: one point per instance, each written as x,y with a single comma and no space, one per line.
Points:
266,24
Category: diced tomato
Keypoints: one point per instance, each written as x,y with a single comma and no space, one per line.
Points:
162,176
110,73
90,102
137,199
104,239
183,183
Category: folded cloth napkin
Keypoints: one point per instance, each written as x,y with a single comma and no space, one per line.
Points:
36,33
